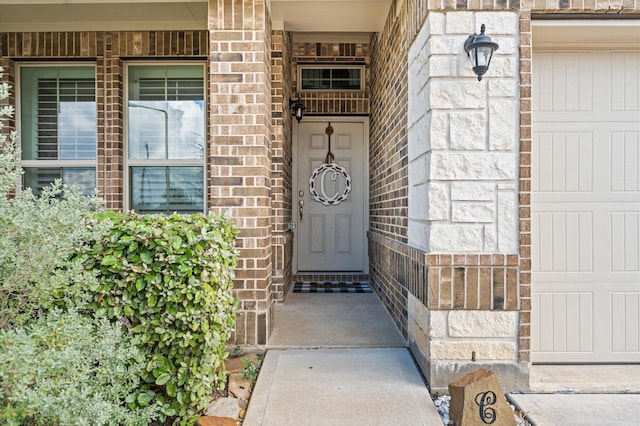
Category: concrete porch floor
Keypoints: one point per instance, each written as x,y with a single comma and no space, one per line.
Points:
333,320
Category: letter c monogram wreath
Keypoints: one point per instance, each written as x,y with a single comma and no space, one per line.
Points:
334,171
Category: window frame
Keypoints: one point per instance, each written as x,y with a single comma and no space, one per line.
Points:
50,163
130,163
360,67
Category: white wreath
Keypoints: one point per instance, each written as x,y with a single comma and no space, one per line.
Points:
322,196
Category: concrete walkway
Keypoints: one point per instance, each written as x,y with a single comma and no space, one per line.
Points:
338,359
580,409
340,387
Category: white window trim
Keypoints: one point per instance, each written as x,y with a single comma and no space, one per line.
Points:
53,164
174,162
362,69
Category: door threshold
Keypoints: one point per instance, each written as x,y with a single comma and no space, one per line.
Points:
330,277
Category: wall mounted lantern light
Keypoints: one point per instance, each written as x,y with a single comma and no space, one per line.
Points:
297,108
480,49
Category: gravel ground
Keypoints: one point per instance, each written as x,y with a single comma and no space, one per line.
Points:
443,402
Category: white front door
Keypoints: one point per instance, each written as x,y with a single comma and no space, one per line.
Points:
585,207
330,236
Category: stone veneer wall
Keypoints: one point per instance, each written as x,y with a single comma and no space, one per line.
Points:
401,273
240,156
323,102
446,150
282,152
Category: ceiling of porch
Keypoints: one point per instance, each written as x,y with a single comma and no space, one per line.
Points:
333,16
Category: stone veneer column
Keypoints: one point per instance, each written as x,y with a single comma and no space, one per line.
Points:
239,158
463,139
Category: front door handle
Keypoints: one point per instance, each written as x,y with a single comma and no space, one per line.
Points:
301,204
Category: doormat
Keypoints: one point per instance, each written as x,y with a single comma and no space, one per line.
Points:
331,287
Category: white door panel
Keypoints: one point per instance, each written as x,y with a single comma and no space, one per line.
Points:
330,238
585,205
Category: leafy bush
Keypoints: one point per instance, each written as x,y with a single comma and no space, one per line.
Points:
10,171
69,369
39,234
56,367
170,278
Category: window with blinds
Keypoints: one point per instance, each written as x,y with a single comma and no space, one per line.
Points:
331,77
58,125
166,138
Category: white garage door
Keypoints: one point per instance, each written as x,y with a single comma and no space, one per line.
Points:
585,206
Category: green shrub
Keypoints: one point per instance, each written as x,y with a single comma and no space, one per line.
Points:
69,369
170,278
39,234
56,367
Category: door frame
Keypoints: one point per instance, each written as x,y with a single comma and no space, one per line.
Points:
294,168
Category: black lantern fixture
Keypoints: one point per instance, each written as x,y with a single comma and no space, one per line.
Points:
297,108
480,49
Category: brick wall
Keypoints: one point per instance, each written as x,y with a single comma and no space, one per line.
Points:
281,178
332,102
240,151
388,191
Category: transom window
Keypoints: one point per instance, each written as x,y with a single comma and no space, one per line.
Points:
58,126
314,77
166,138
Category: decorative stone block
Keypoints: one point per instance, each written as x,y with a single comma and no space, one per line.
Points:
440,66
472,212
507,222
464,350
459,23
504,23
473,166
467,131
438,197
472,191
455,238
503,88
483,324
418,234
439,133
503,127
447,94
437,324
477,400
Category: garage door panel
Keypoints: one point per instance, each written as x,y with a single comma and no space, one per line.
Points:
571,77
625,241
625,324
625,81
554,155
567,325
625,161
569,245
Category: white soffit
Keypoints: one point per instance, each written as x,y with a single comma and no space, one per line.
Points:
102,16
586,34
360,16
331,15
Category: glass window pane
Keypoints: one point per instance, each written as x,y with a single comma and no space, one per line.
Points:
84,178
160,130
58,116
167,189
331,78
166,112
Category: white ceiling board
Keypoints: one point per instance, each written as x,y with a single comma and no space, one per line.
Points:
102,15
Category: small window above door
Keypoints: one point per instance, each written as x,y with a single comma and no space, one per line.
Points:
331,77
